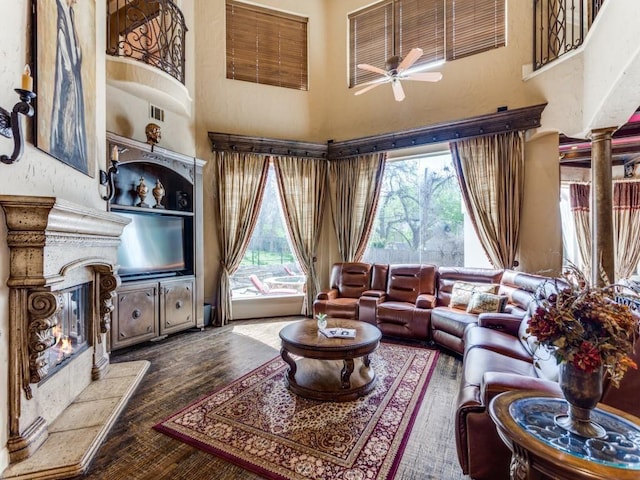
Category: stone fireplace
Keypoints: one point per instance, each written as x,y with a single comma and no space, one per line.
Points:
62,283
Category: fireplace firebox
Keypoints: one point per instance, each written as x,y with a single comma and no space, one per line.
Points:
70,334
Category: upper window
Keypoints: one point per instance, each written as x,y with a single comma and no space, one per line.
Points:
443,29
266,46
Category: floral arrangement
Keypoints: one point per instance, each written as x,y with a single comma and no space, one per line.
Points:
585,326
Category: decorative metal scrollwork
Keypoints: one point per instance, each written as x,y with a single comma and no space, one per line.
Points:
11,124
150,31
558,29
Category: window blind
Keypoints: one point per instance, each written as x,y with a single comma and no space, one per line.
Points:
420,23
443,29
266,46
474,26
370,40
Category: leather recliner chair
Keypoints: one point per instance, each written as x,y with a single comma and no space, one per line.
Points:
403,308
348,282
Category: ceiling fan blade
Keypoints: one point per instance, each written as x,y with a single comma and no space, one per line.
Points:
398,92
371,86
410,59
423,76
371,68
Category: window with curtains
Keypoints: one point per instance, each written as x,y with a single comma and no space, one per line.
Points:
269,266
266,46
420,214
443,29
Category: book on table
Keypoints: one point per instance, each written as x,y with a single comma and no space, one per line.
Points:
338,332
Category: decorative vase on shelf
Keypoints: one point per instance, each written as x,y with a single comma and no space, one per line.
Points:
142,190
158,194
582,391
321,320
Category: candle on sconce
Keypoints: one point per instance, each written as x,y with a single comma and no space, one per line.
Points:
27,79
115,155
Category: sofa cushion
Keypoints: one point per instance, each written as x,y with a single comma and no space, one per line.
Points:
496,341
451,320
483,302
341,307
351,278
406,282
478,361
448,276
462,292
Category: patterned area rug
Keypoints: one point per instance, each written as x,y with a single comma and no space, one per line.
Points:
256,423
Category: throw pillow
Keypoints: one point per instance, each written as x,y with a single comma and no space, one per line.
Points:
462,291
483,302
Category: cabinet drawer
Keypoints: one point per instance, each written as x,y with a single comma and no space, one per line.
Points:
136,317
176,305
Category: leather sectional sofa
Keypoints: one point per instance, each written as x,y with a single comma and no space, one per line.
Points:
420,302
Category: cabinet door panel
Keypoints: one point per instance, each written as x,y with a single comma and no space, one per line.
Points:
136,317
176,311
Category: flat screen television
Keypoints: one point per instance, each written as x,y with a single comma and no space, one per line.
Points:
155,245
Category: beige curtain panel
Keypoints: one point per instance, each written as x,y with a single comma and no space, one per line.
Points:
626,225
581,211
302,185
490,172
238,182
354,190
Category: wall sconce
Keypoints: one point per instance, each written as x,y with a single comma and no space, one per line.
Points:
11,123
106,178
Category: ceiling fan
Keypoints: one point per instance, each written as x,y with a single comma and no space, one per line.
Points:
397,70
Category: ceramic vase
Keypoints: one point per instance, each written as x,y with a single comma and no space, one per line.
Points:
582,391
158,194
142,190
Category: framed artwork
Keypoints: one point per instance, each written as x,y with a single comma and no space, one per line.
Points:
65,78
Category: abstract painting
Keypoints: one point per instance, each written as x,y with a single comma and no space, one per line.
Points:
65,44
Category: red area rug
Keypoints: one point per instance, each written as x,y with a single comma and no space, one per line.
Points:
255,422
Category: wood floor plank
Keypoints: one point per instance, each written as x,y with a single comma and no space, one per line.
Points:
189,365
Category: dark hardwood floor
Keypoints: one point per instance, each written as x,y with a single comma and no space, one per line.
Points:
187,366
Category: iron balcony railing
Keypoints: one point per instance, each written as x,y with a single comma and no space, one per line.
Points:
150,31
560,26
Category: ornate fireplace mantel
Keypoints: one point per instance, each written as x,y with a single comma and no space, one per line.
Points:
54,245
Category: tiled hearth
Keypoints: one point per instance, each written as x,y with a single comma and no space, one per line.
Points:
58,416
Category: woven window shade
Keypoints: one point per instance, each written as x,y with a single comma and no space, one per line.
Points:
266,46
443,29
474,26
370,40
420,23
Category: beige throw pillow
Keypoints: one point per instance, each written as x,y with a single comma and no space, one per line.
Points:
482,302
462,291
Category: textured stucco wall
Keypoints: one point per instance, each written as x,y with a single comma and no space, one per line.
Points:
37,173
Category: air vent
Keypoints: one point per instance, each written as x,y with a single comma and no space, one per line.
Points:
156,113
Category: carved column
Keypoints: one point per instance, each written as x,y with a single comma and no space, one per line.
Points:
602,242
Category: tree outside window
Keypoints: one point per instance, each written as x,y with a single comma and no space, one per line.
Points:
419,217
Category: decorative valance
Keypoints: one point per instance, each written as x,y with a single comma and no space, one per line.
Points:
503,121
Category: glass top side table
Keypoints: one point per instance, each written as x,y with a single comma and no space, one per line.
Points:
540,449
620,448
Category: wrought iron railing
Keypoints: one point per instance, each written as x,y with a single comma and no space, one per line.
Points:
560,26
150,31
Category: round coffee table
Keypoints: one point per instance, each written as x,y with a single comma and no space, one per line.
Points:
335,369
